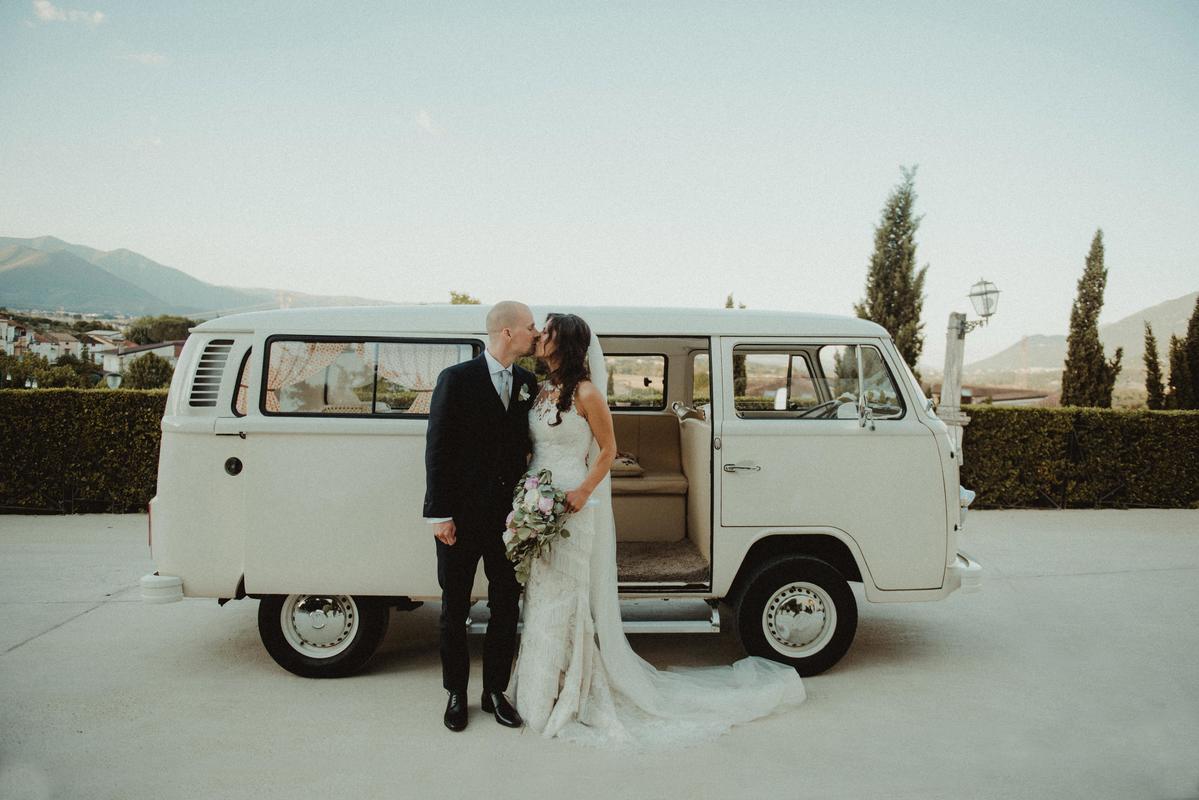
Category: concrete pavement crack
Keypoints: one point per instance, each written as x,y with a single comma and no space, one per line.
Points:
48,630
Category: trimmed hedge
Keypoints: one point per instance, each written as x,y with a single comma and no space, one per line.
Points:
1081,458
80,450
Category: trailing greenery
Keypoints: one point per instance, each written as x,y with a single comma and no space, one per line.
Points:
1088,377
894,287
78,450
1081,458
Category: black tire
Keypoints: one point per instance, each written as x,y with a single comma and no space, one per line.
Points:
814,584
356,625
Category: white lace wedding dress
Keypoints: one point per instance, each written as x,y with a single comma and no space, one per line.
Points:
576,675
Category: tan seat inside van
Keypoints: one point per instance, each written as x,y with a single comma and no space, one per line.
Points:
663,517
651,507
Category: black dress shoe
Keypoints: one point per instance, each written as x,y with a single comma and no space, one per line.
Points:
455,711
505,714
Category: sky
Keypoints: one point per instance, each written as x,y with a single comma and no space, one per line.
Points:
650,153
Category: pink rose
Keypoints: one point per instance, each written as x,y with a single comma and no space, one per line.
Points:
545,505
531,483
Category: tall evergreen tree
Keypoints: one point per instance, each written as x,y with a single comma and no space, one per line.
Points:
894,287
1088,378
1191,349
1179,393
1153,372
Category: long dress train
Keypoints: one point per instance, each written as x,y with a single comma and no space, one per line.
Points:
576,675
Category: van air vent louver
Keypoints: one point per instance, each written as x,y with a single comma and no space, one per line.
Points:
207,381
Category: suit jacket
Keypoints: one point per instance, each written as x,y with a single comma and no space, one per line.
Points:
475,450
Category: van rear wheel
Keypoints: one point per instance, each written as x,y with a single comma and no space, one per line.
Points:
797,610
321,636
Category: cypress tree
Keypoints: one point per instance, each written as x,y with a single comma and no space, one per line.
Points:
1179,394
1088,378
894,288
1153,372
1191,348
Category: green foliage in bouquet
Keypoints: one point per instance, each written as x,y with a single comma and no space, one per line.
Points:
536,521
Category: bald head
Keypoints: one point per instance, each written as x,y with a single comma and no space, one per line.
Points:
508,314
511,331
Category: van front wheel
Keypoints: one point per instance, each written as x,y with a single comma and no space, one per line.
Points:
797,610
321,636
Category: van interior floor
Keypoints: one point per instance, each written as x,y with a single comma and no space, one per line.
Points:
665,562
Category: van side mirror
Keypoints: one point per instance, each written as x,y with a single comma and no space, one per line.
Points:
865,413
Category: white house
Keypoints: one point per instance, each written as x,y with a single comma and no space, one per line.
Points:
14,337
101,342
52,344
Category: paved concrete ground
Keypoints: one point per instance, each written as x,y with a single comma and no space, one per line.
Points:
1072,674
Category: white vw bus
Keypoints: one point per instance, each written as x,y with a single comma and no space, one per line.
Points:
768,460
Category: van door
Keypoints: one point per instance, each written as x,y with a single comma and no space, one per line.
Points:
334,464
794,454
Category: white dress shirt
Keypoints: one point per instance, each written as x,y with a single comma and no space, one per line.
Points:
495,368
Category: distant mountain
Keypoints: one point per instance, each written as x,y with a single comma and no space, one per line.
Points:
172,291
34,279
1037,361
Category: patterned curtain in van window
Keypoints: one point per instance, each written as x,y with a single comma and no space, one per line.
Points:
415,366
293,362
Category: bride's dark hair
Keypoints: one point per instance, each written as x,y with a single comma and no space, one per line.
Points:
571,337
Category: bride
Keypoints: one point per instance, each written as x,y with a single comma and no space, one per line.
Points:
576,675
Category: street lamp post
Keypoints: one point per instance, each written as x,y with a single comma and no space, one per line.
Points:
984,296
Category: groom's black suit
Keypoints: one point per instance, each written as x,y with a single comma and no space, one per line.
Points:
475,452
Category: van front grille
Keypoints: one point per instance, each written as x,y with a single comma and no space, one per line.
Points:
206,383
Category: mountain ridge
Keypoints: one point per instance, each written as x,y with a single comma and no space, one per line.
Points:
174,291
1040,358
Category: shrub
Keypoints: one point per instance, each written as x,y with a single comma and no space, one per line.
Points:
1081,458
78,450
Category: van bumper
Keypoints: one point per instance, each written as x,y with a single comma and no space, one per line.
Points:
966,573
161,588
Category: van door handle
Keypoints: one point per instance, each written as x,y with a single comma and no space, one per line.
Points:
735,467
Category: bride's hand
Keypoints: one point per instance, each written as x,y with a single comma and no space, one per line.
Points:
576,500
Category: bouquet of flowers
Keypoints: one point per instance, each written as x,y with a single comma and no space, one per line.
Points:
537,519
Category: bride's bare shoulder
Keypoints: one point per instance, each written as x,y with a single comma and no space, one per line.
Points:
589,396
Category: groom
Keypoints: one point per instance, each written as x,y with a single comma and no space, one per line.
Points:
476,449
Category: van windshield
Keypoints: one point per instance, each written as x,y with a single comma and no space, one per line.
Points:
925,405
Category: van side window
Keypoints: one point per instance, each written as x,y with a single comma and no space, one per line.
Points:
352,377
772,383
701,379
839,363
812,382
243,383
636,381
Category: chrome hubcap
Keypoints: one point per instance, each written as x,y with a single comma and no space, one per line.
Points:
319,626
799,619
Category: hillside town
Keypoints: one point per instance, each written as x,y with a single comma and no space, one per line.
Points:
37,348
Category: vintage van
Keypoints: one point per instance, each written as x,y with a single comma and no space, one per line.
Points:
769,460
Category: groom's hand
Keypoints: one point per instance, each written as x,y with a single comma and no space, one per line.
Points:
445,532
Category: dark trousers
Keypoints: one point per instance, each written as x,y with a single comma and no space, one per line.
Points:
456,567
